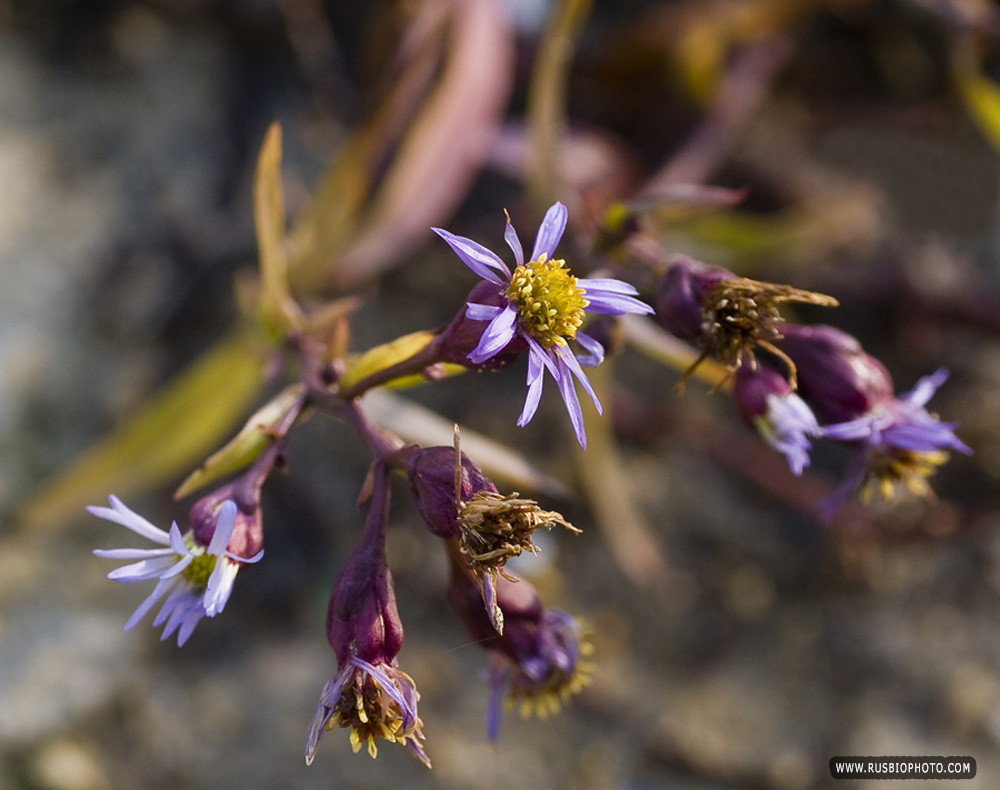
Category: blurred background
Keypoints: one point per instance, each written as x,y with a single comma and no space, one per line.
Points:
739,642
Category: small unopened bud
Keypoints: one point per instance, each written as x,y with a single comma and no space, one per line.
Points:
462,336
432,473
835,375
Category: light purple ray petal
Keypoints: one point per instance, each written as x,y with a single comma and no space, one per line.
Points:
223,528
550,231
571,363
220,586
595,351
482,261
158,592
607,285
510,236
177,540
496,336
926,387
132,554
249,561
151,568
568,392
535,380
615,304
184,561
120,514
481,312
388,686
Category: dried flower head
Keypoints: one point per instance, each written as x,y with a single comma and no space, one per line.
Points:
728,316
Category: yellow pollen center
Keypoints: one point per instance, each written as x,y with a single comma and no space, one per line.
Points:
550,304
200,568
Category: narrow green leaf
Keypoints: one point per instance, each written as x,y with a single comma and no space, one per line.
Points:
253,438
165,438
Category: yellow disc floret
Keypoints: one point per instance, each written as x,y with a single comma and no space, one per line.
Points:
550,304
199,569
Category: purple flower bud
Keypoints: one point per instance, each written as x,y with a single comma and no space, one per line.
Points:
680,299
247,539
432,480
835,375
464,334
362,618
369,694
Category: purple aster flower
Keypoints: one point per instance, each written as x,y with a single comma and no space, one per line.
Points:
767,402
194,579
541,304
898,442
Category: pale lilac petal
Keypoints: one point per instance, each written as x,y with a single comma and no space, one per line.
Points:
249,561
535,381
496,336
481,312
131,554
571,364
220,586
510,236
482,261
568,392
606,285
179,568
158,592
595,351
550,232
615,304
177,543
120,514
497,679
152,568
223,528
389,687
925,388
328,698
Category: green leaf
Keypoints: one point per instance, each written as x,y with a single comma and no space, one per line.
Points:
278,310
254,438
170,434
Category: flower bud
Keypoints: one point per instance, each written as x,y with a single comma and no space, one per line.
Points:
247,538
462,336
835,375
680,299
432,475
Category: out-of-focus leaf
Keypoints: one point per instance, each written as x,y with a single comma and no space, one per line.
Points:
385,356
240,451
165,438
278,311
410,166
415,423
629,537
444,147
981,97
647,337
547,97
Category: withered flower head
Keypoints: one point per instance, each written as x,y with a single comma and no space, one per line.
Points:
728,316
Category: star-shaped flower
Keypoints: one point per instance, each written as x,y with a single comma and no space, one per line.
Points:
544,305
196,580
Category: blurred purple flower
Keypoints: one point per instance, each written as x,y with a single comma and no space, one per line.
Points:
767,402
899,441
197,580
542,305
